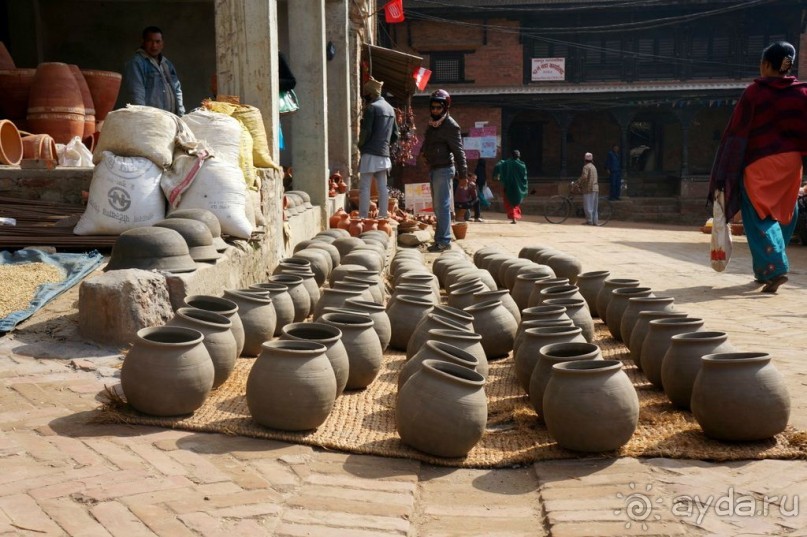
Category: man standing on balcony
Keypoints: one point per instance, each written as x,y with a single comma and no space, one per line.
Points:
442,150
512,173
614,166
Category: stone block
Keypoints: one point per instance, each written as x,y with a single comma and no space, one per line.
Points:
115,305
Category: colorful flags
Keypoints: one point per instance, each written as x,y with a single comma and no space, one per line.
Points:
393,11
421,75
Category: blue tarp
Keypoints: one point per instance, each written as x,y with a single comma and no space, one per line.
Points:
75,267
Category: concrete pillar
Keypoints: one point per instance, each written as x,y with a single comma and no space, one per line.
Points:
340,138
310,124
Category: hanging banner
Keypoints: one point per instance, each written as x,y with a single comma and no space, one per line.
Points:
548,69
393,11
421,76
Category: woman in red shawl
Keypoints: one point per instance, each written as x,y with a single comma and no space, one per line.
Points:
759,162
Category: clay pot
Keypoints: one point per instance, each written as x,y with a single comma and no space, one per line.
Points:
511,267
470,342
618,305
104,88
405,312
335,298
681,364
459,229
590,405
536,297
486,251
226,308
740,396
437,350
420,335
258,316
640,328
344,222
327,335
10,143
291,386
370,224
300,298
548,356
578,312
502,295
527,355
167,372
496,325
523,286
281,301
636,305
86,98
658,340
345,245
356,227
418,278
378,314
39,146
604,296
309,283
589,284
218,338
372,281
320,263
325,245
560,291
384,225
442,409
461,294
15,87
365,256
564,265
337,217
494,263
55,105
362,345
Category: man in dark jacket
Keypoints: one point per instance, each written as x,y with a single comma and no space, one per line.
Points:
378,131
443,152
150,79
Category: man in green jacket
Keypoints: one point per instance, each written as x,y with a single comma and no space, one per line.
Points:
512,173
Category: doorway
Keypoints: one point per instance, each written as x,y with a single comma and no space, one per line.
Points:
528,137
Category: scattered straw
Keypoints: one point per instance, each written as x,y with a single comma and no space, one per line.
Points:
20,281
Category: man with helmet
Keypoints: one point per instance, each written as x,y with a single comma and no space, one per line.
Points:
443,152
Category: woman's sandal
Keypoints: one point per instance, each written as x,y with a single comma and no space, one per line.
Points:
773,285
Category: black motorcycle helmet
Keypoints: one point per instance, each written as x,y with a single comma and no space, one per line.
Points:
441,96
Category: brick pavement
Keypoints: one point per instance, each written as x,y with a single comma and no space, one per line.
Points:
60,475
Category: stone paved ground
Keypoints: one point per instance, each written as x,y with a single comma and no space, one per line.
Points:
60,475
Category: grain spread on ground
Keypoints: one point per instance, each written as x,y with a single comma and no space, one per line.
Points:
19,282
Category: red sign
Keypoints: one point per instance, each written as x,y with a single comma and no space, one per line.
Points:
393,11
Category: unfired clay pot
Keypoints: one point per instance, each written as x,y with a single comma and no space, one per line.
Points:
681,364
219,340
331,337
548,356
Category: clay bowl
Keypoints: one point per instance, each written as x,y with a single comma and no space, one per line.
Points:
151,248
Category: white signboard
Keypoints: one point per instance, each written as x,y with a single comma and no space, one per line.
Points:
418,197
548,69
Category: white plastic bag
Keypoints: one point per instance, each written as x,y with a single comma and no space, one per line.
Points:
720,250
487,193
75,154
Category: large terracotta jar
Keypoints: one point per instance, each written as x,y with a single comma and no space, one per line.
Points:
578,312
618,305
104,88
470,342
300,299
257,315
536,297
281,301
523,286
331,337
378,314
362,345
589,285
590,405
222,306
527,355
548,356
740,396
636,305
86,97
291,386
681,364
442,409
167,372
437,350
55,105
605,294
658,340
405,312
502,295
640,328
356,226
433,319
496,325
219,340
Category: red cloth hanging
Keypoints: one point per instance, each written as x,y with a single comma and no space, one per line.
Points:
393,11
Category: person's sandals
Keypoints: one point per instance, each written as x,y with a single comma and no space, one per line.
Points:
438,247
772,285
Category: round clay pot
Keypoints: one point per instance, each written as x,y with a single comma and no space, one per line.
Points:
578,312
636,305
10,143
539,323
411,289
495,264
523,287
461,294
548,356
657,342
535,297
309,283
39,146
321,263
496,325
366,257
378,314
442,409
291,386
534,339
605,296
420,335
640,328
327,335
373,283
281,301
218,338
222,306
89,106
565,266
618,305
167,372
362,345
344,270
405,312
511,266
470,342
681,364
418,278
300,299
104,87
437,350
486,251
504,296
335,298
590,405
15,86
257,315
560,291
346,244
55,106
338,216
740,396
589,284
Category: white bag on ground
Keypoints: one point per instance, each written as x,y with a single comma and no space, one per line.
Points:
124,194
218,186
220,132
720,247
74,154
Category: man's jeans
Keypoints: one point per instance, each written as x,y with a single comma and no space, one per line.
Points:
441,202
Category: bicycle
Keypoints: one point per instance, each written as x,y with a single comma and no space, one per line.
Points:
559,207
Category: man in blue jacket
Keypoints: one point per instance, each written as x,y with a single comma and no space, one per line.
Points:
150,79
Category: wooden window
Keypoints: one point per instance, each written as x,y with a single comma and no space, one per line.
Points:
447,66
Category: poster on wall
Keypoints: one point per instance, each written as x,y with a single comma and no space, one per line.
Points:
418,197
548,69
481,142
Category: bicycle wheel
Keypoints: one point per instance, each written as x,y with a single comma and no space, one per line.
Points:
605,210
557,209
